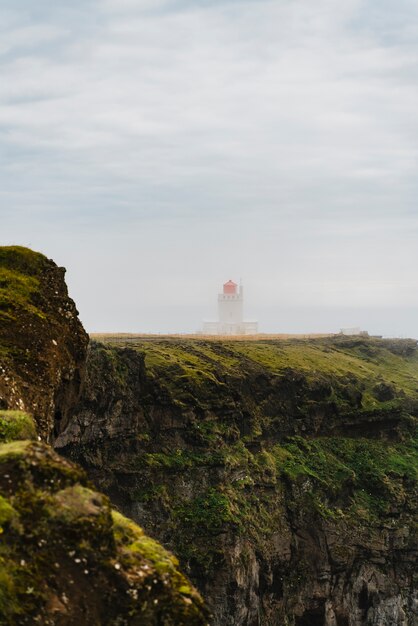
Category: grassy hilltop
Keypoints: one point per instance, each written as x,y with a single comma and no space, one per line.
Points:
353,404
367,361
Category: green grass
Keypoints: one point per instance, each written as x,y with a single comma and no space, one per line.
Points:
208,513
7,513
367,360
346,472
22,260
15,425
19,281
198,370
18,291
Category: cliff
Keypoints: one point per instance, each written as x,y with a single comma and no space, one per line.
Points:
42,342
282,473
66,557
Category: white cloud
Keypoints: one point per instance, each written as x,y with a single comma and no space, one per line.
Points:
277,121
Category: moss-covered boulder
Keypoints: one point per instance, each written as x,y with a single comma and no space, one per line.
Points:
42,342
67,558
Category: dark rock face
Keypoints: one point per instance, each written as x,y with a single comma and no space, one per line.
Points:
43,344
288,491
66,557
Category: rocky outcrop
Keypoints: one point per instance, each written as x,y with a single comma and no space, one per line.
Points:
66,557
283,474
42,342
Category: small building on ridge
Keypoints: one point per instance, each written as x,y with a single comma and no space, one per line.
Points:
230,314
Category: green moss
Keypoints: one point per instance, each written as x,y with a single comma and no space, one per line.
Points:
178,459
125,530
9,603
18,283
62,536
18,291
21,299
74,503
7,513
149,549
12,450
346,371
134,542
331,478
22,259
15,425
117,368
208,513
371,474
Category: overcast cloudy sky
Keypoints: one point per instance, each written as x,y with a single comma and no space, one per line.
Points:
156,148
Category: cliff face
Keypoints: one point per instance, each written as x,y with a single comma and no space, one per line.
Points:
42,342
283,474
66,557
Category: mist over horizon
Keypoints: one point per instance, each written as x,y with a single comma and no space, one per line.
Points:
169,318
156,149
395,322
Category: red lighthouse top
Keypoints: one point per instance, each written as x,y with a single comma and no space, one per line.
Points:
230,287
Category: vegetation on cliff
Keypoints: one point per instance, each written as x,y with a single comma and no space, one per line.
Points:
358,372
287,458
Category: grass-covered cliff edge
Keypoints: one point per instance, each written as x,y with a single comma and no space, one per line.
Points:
66,556
282,473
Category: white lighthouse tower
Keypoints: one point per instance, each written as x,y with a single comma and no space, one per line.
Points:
230,313
230,304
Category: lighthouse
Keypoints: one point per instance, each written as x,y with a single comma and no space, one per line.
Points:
230,313
230,304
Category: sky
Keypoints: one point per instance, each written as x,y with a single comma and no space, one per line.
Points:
157,148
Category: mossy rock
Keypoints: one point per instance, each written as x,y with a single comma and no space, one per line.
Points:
42,342
15,425
66,557
7,513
